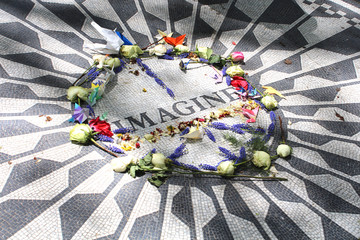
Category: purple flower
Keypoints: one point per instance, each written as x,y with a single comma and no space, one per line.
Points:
183,55
272,117
104,138
203,60
260,130
223,71
266,138
227,153
271,128
228,80
179,151
242,155
208,167
219,125
170,92
92,74
261,105
210,135
169,51
186,131
167,57
161,83
237,130
123,130
114,149
150,73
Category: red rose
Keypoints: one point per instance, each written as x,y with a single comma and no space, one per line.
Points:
239,82
101,126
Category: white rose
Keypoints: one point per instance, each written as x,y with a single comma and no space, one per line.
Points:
120,164
235,70
269,102
158,50
100,59
113,62
181,48
204,52
261,159
283,150
158,160
226,167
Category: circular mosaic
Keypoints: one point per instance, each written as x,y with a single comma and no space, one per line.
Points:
53,189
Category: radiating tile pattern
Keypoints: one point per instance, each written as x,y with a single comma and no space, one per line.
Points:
52,189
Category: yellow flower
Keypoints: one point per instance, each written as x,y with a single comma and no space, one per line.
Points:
131,51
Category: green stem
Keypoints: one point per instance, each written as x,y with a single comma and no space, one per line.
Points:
144,48
235,165
274,157
86,71
99,70
225,175
99,146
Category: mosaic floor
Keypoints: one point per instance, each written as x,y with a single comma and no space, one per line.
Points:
52,189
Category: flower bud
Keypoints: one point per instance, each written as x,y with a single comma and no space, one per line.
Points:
235,71
261,159
237,56
158,50
269,102
204,52
158,160
131,51
75,92
226,168
113,62
81,133
283,150
120,164
181,48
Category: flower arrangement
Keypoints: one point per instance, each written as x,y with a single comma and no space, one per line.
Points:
111,58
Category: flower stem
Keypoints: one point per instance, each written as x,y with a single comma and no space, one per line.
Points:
87,70
99,146
274,157
225,175
152,43
235,165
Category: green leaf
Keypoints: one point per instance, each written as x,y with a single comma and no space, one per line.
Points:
133,170
156,182
214,58
148,158
103,117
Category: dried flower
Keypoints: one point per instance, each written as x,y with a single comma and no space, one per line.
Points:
261,159
283,150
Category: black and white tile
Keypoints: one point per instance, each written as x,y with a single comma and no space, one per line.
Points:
52,189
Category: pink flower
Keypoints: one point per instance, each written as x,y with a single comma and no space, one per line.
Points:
237,56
